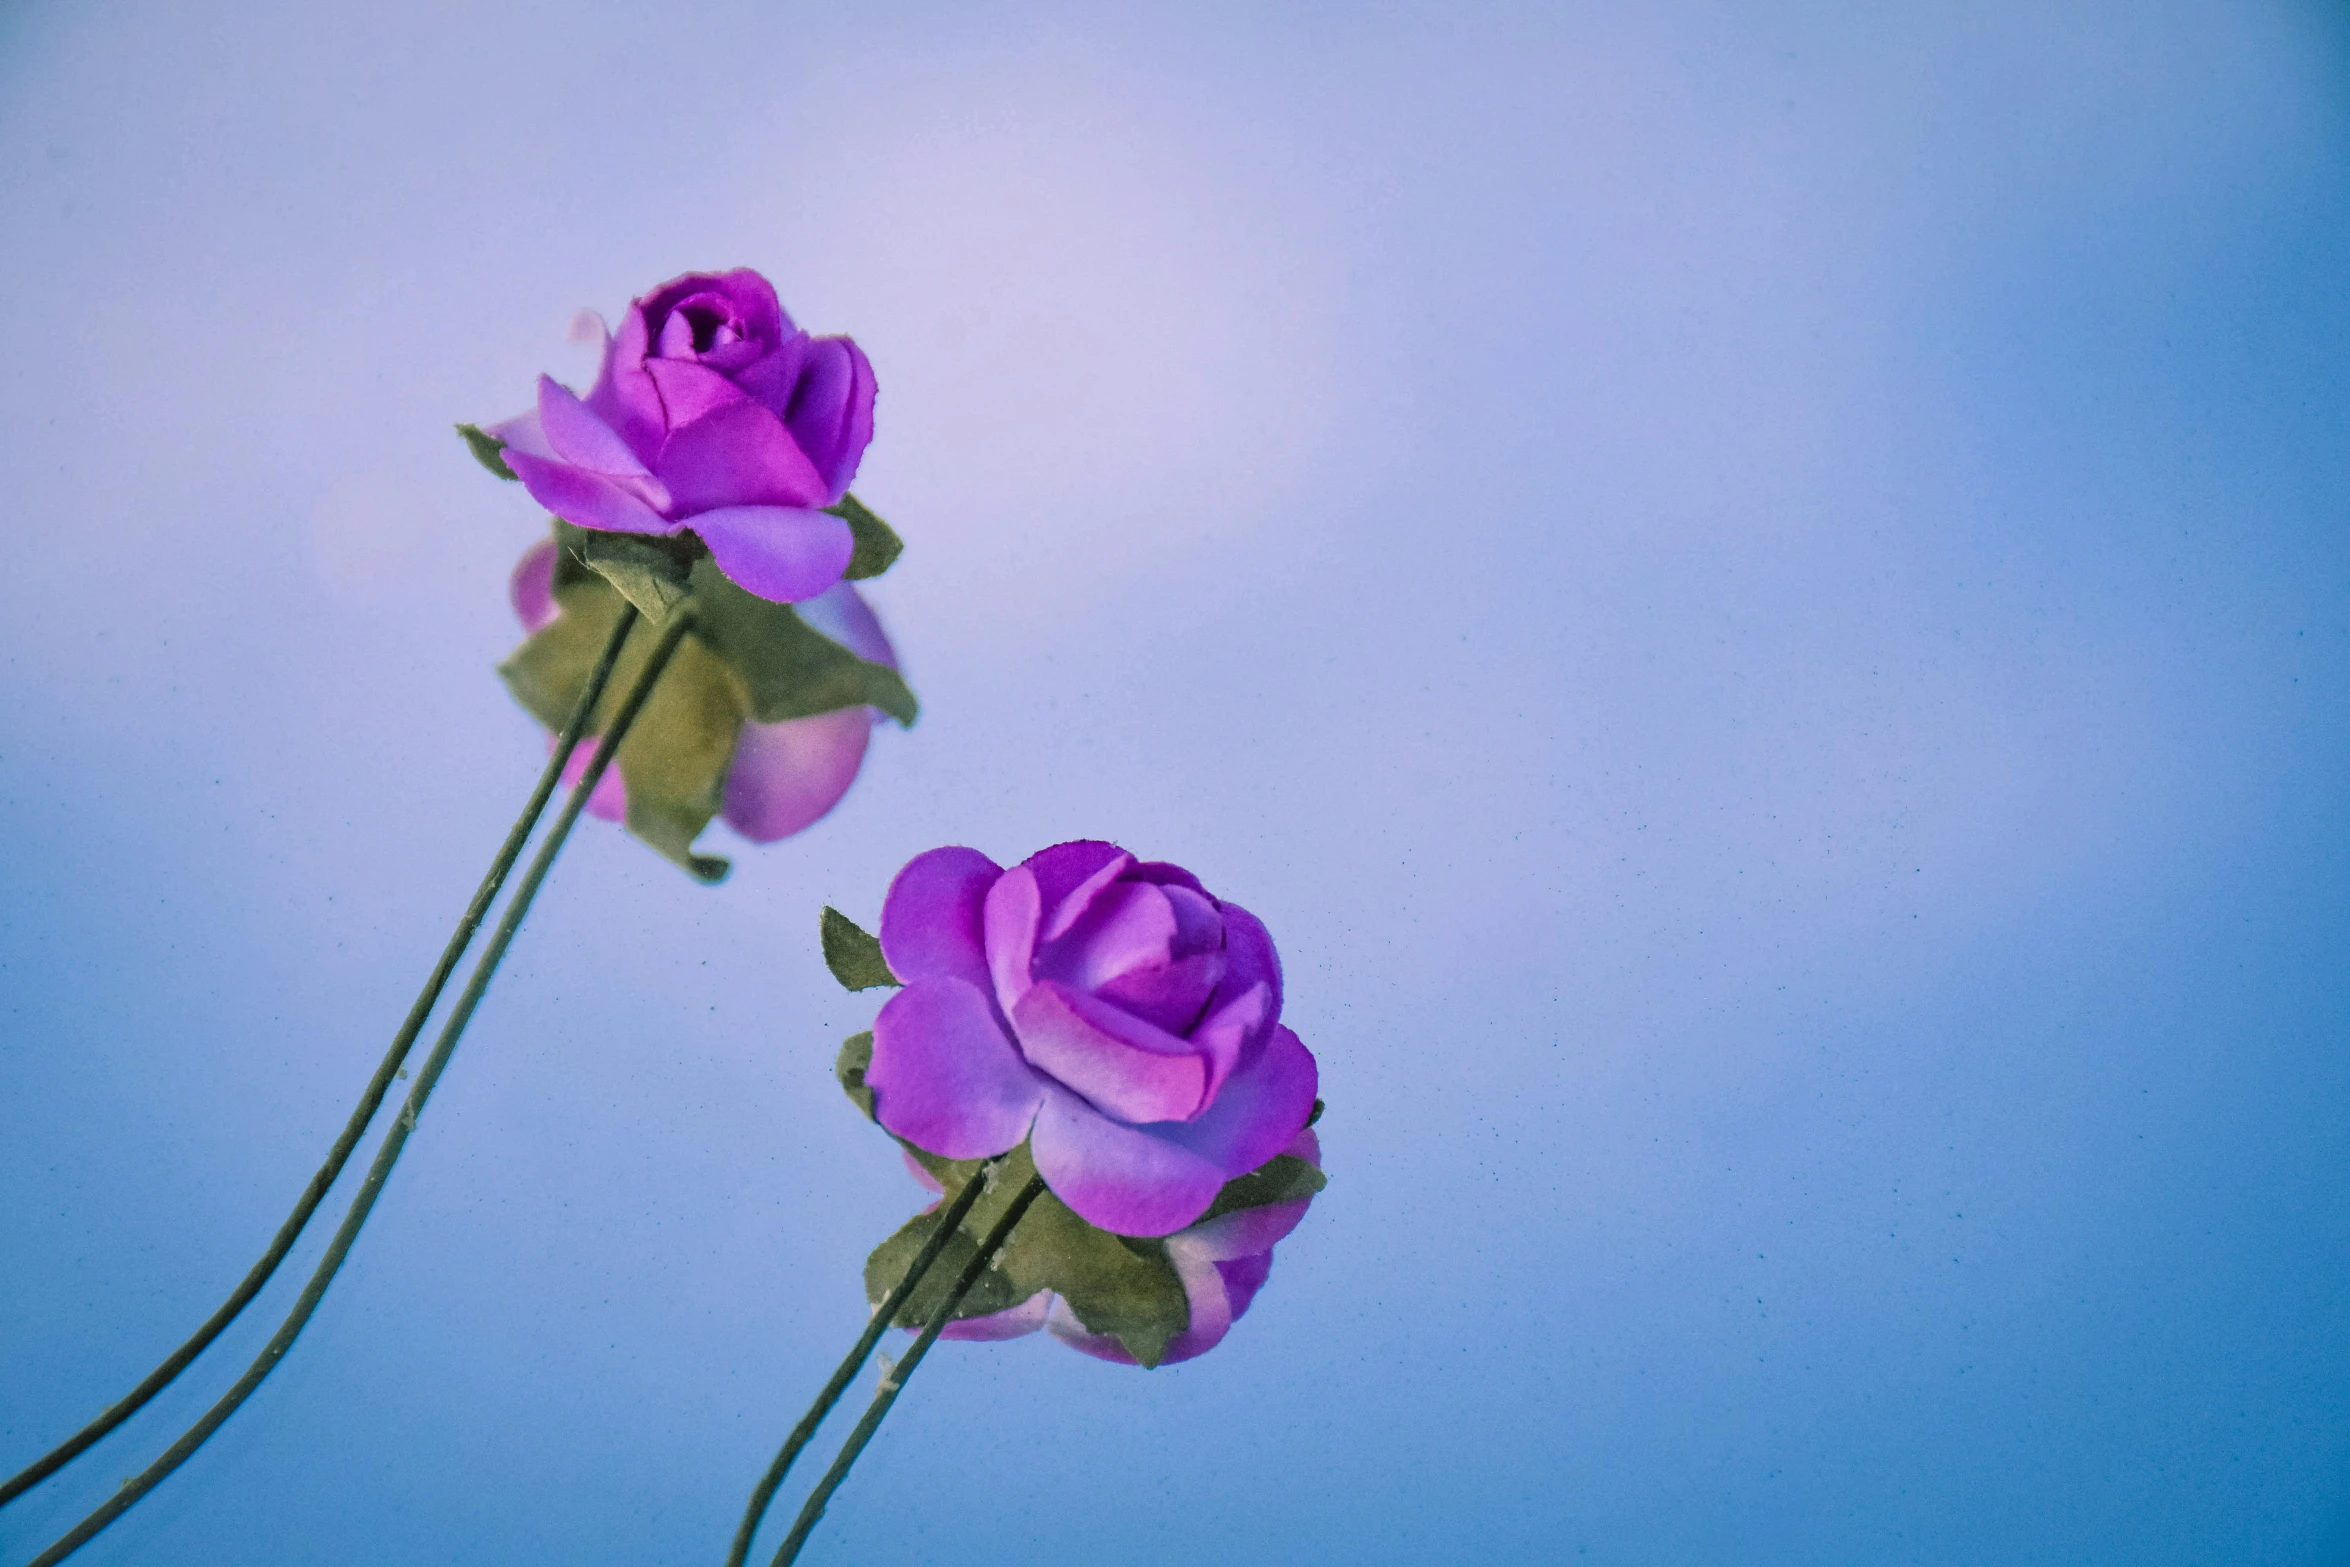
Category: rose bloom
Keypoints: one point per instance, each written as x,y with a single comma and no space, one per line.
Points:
1222,1263
783,777
1109,1010
710,411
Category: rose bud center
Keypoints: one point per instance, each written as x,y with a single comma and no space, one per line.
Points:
1155,952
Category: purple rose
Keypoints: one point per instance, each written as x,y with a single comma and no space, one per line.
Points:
1107,1009
782,777
1222,1263
711,412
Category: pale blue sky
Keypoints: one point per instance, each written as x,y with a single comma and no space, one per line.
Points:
1759,596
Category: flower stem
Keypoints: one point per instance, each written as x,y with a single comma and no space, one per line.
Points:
896,1379
948,1222
679,621
315,1193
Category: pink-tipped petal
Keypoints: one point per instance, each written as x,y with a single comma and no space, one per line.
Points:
1245,1232
525,434
1125,1179
1261,1107
586,500
532,587
1121,1064
783,777
944,1076
778,552
930,920
579,437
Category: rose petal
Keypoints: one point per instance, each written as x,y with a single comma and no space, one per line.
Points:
1261,1106
784,553
1129,926
1160,873
1069,876
750,296
738,455
944,1075
841,613
624,396
831,410
785,776
1120,1063
691,392
532,587
1243,1277
523,433
1008,930
1245,1232
1011,1322
930,921
1224,1036
1128,1180
587,500
1249,959
580,438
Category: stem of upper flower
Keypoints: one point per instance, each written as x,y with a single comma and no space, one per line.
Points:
948,1222
896,1379
315,1193
673,629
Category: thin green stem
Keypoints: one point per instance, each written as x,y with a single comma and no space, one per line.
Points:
896,1377
801,1434
315,1193
679,621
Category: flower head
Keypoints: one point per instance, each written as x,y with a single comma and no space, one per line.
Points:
1110,1011
711,412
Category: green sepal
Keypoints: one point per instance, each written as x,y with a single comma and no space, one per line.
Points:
486,448
651,573
1282,1178
856,1054
674,758
878,545
790,669
853,954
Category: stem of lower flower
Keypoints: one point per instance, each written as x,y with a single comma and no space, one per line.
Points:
315,1193
948,1222
674,628
896,1378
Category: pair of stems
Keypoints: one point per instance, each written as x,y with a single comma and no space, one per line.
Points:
894,1380
678,622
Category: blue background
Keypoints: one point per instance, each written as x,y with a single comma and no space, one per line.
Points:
1759,595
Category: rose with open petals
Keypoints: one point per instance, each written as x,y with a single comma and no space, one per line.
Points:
782,777
1222,1262
1107,1009
711,412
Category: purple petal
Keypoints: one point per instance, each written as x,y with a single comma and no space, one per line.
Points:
532,587
1224,1036
1243,1277
523,433
690,391
749,295
1249,959
831,410
1262,1105
783,777
587,500
1068,875
1120,1063
624,396
1008,931
738,455
579,437
1160,873
1128,1180
1129,926
945,1077
782,553
1246,1232
609,800
930,921
1011,1322
841,613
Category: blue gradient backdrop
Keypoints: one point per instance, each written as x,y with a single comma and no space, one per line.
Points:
1760,596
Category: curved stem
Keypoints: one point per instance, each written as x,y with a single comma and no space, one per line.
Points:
679,621
896,1379
883,1316
315,1193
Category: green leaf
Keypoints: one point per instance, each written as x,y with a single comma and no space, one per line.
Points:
486,448
1113,1283
788,668
650,573
853,955
856,1054
878,545
674,758
1282,1178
